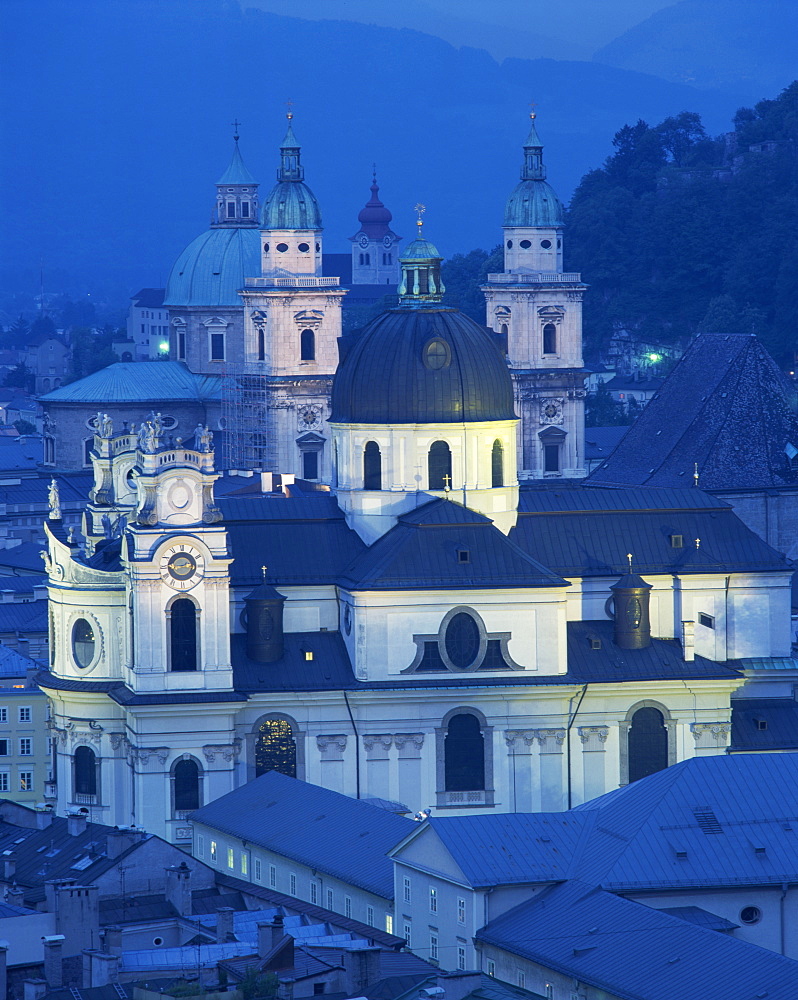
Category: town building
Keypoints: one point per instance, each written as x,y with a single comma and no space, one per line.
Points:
148,325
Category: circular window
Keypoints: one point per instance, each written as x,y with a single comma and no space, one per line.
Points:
750,914
83,642
318,248
282,247
546,244
157,941
303,247
265,247
526,244
437,355
509,244
462,640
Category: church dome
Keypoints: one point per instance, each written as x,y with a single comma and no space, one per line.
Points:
533,203
423,365
213,267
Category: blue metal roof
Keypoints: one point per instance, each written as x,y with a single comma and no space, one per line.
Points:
213,267
297,820
764,724
237,172
291,205
533,203
634,952
139,382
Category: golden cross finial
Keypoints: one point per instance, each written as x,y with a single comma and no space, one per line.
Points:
695,474
629,557
420,210
263,571
235,125
698,543
446,480
290,105
533,113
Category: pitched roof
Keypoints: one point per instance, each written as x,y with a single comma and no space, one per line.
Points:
634,952
588,532
296,819
422,551
138,382
764,724
149,298
725,406
330,668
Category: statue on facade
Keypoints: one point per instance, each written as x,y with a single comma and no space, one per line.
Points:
54,501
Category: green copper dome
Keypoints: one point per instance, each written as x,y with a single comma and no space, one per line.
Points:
533,201
421,249
213,267
290,203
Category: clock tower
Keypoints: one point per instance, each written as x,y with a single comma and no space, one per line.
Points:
537,308
375,246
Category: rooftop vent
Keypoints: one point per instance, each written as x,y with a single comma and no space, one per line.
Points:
463,556
707,820
595,643
677,541
761,724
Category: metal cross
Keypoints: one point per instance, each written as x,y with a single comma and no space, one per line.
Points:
235,125
629,557
533,113
263,570
290,113
446,480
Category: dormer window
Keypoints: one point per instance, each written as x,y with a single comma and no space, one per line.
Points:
231,210
463,555
677,541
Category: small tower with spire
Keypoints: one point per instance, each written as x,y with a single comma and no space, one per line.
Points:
375,258
236,193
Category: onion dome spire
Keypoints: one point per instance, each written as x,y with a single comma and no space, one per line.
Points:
421,270
374,218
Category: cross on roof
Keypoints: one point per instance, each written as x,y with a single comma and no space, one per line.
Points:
533,113
290,105
235,125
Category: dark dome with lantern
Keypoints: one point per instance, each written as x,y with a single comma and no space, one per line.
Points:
421,363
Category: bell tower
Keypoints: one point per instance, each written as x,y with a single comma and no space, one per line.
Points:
537,308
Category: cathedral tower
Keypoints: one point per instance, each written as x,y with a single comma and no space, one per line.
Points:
292,323
375,257
537,307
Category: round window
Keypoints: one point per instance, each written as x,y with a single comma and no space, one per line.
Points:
525,244
303,247
462,640
157,941
509,244
437,354
750,914
318,248
546,244
265,247
282,247
83,642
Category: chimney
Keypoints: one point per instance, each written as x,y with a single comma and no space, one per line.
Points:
99,968
76,823
362,969
688,641
178,888
34,989
117,841
112,939
3,970
269,935
44,817
15,895
224,924
53,960
9,867
51,892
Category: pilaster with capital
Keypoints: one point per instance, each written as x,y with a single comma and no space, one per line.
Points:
331,747
593,738
711,735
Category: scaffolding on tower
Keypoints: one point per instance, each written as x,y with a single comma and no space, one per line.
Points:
248,434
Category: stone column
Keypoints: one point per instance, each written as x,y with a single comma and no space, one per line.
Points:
594,739
520,748
552,797
331,750
377,765
710,737
408,746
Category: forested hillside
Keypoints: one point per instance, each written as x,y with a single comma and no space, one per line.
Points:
679,232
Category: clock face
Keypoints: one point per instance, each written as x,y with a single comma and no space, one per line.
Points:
387,241
181,567
364,241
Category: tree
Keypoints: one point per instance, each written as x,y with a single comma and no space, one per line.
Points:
462,276
24,426
680,133
601,410
258,984
20,377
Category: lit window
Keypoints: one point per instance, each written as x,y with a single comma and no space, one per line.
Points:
26,781
491,967
231,861
213,852
461,907
388,920
244,863
433,900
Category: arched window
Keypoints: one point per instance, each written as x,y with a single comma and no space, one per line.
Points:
85,761
372,466
183,635
504,330
464,754
275,748
439,466
261,345
648,743
187,785
307,346
497,464
549,339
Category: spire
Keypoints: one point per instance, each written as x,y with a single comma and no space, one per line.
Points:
421,270
236,192
290,165
533,169
237,172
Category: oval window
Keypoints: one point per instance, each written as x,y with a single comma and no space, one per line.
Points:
303,247
282,247
83,642
318,248
525,244
509,244
265,247
462,640
437,354
750,914
546,244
